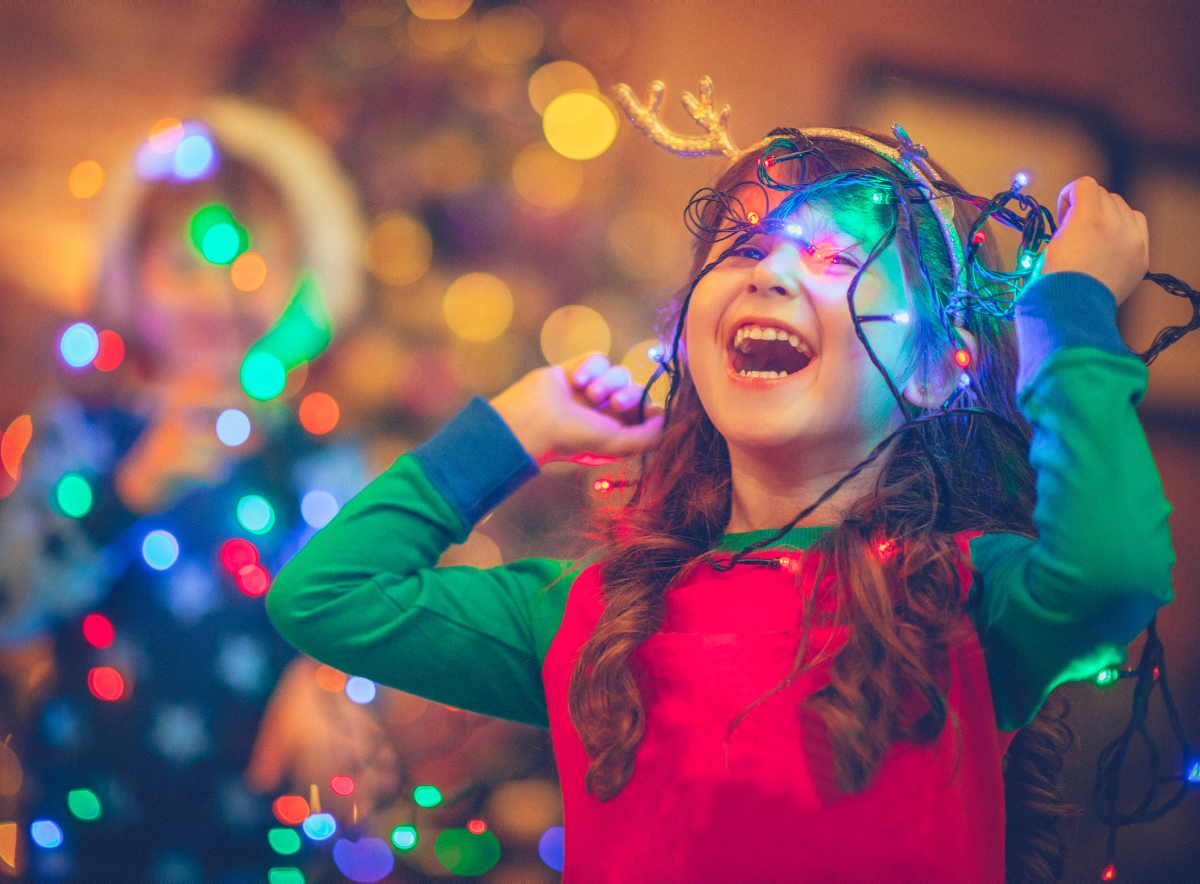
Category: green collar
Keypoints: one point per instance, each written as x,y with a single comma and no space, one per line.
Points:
797,538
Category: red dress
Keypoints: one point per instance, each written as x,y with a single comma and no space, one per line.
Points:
700,809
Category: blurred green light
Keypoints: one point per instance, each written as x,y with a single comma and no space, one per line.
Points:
255,514
427,796
1106,678
83,803
284,841
263,376
466,854
216,234
285,876
74,495
404,837
220,244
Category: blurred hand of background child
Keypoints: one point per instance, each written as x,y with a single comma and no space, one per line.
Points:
1100,235
585,411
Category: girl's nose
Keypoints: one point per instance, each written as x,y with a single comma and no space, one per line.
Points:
779,273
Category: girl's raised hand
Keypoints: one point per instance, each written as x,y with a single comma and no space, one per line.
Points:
585,411
1101,236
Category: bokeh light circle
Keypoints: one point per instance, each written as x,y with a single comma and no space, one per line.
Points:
106,683
193,157
237,554
46,834
573,330
220,244
255,514
365,860
545,178
551,847
233,427
263,376
318,508
86,179
553,79
285,875
166,134
466,854
360,690
160,549
319,826
438,10
98,630
248,272
509,34
399,250
110,352
284,841
73,495
83,804
253,580
476,827
427,796
79,344
291,810
404,837
478,306
579,125
319,413
342,785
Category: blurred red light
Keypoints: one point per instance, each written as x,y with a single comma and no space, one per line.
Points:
106,683
342,785
476,827
111,352
237,554
253,580
97,630
291,810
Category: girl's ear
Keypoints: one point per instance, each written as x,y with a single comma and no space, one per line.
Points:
932,391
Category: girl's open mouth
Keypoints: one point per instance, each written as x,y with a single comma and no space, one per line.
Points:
759,351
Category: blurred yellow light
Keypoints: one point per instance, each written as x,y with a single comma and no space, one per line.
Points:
438,9
579,125
509,34
441,35
448,161
642,367
594,32
572,331
645,241
478,307
86,179
546,179
399,250
553,79
166,134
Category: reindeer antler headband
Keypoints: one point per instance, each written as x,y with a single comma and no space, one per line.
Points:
909,158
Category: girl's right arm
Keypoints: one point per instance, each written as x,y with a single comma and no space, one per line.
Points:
364,596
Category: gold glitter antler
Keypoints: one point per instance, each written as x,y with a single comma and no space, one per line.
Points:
646,119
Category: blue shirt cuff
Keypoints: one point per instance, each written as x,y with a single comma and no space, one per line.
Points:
475,461
1062,310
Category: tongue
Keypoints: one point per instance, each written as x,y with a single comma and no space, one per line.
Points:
755,355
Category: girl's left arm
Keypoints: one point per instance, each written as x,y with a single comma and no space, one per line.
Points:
1065,605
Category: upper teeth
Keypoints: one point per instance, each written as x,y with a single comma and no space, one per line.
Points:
766,333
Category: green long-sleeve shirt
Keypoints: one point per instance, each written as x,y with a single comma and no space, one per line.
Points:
364,595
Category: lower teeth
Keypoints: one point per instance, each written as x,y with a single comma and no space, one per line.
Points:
762,374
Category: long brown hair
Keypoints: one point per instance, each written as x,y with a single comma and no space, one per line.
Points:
905,609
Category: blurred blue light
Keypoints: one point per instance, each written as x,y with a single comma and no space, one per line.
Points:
233,427
319,826
1193,773
151,165
360,690
550,847
46,833
193,157
318,508
79,344
160,549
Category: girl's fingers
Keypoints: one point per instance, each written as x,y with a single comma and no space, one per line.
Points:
607,383
583,371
